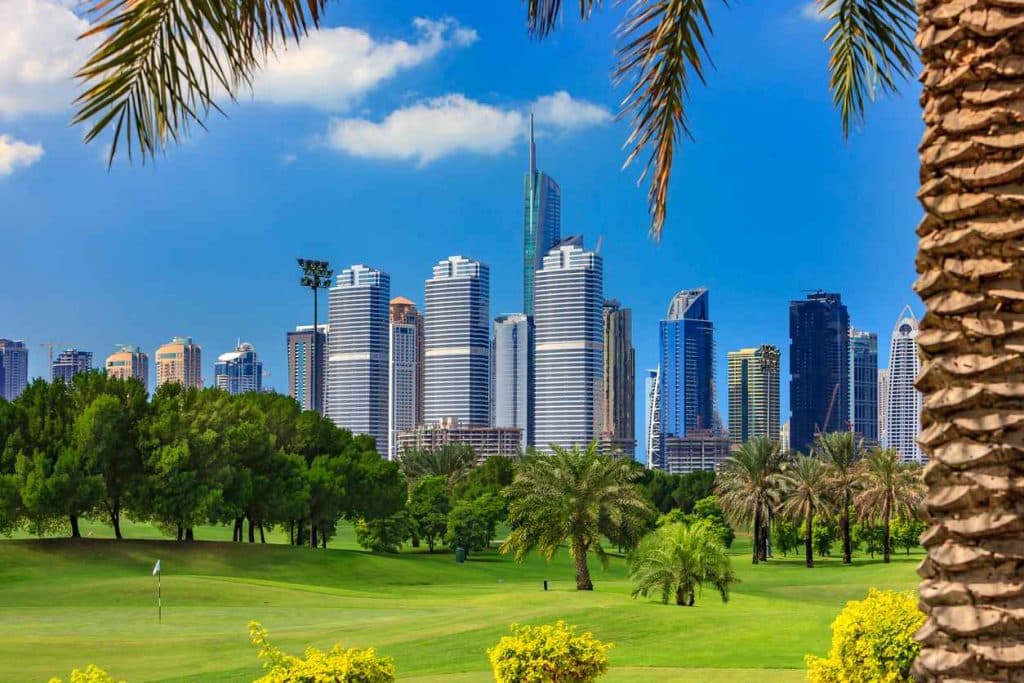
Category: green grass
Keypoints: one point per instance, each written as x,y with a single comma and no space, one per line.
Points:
65,604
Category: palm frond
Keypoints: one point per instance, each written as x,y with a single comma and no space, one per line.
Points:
162,62
663,42
543,15
871,46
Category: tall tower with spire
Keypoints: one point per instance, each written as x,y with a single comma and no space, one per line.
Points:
542,222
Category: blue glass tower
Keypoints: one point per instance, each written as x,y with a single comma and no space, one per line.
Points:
686,397
864,385
239,371
542,223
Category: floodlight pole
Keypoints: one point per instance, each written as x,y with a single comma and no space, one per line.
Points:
316,275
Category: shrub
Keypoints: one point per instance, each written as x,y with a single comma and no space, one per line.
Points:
872,641
384,534
339,665
548,653
469,527
92,674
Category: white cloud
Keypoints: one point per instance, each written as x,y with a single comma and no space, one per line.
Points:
334,66
39,54
15,153
811,12
436,128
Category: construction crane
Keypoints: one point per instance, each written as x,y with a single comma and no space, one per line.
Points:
49,353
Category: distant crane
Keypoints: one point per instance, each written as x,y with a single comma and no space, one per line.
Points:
49,351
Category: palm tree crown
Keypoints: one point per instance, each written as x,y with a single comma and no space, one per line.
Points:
805,484
453,462
890,489
749,487
842,452
677,559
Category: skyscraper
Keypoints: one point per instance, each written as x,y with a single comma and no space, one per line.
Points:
357,365
239,371
14,358
864,386
300,364
883,404
754,393
129,362
618,431
542,222
652,443
69,363
405,370
569,347
819,368
180,361
511,387
903,413
686,375
457,342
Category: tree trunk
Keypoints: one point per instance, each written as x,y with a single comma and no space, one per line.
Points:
252,531
756,531
844,525
971,271
312,536
887,535
236,534
579,554
115,519
291,532
181,533
809,540
75,533
300,532
681,596
189,536
323,541
263,539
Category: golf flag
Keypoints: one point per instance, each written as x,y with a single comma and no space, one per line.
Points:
156,569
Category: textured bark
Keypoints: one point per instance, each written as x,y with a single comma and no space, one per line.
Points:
809,541
75,533
972,338
844,528
579,554
756,531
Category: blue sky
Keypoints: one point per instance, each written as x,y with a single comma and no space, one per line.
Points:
397,142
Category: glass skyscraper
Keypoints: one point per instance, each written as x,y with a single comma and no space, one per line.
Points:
754,393
14,359
652,444
239,371
300,365
819,368
69,363
357,360
511,390
618,432
405,371
864,386
903,412
569,347
542,222
457,342
686,377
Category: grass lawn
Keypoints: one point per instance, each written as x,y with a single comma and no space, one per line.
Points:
65,604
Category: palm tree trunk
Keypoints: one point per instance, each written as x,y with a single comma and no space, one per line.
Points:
971,273
844,525
887,534
579,555
809,540
757,536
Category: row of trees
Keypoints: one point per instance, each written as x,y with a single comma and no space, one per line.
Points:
760,485
98,447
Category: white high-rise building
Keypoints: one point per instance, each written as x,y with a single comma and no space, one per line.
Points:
652,441
883,404
569,347
510,378
403,371
357,362
904,402
457,342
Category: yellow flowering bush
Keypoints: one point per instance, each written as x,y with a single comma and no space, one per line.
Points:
338,666
872,641
92,674
548,653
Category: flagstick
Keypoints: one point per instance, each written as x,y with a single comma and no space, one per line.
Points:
159,601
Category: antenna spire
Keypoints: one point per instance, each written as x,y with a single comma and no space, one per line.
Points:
533,150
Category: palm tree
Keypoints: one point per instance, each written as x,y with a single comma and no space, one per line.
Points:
890,489
805,483
842,453
749,487
452,461
575,496
678,559
160,64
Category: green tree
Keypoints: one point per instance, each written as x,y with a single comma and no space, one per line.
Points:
805,487
870,536
906,533
710,509
469,527
678,559
428,509
842,452
384,534
575,496
490,476
749,489
889,489
453,462
825,534
786,536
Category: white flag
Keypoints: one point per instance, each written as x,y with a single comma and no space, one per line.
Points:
156,569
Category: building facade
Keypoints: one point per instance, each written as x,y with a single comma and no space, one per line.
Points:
542,223
903,412
239,371
69,363
511,381
686,374
180,362
300,365
129,362
819,368
652,443
864,386
357,362
486,441
569,347
405,370
457,342
754,393
700,449
883,404
618,431
14,359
